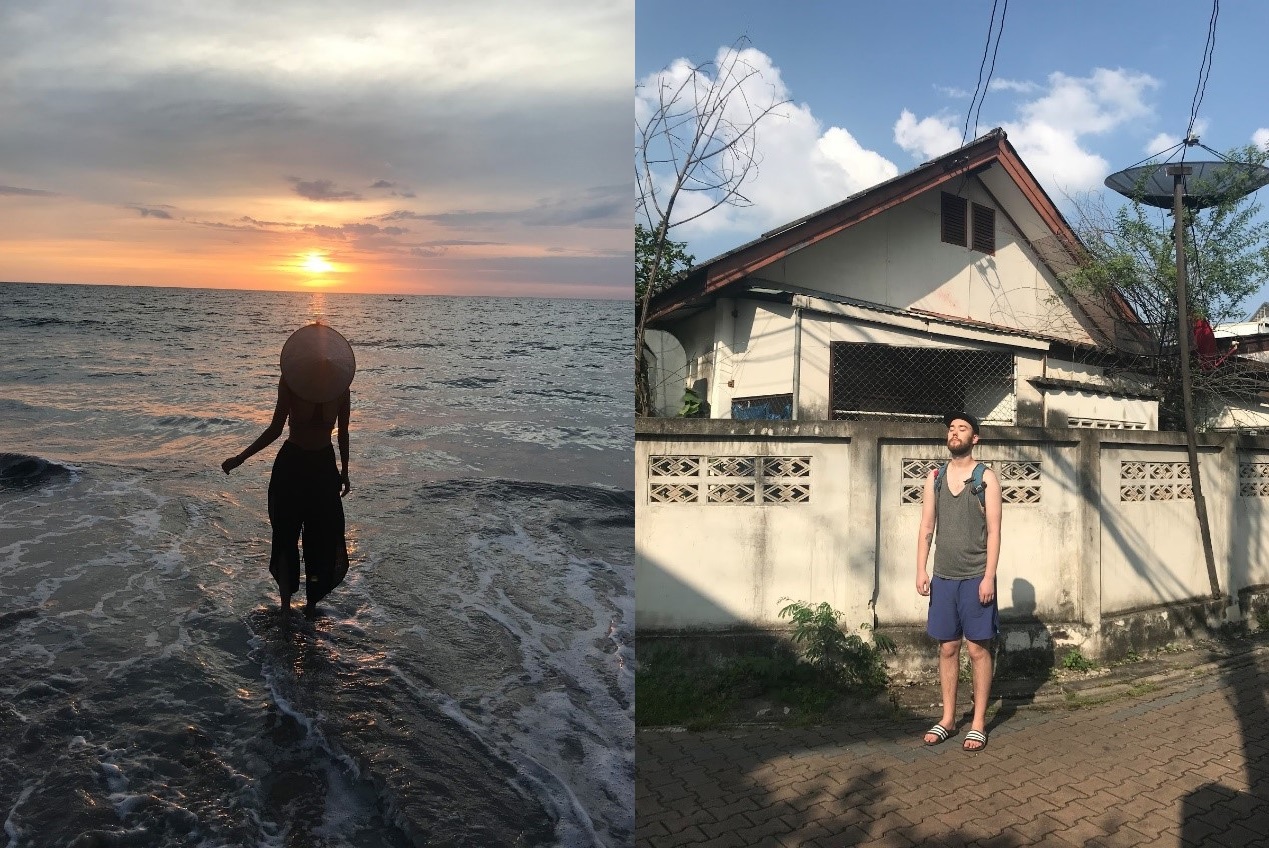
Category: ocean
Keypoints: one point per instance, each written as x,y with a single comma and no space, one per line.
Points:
470,683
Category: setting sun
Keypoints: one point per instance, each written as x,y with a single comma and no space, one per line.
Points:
316,263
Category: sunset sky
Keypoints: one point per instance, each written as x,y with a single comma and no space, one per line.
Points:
400,147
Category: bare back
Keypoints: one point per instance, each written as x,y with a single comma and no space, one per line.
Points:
312,423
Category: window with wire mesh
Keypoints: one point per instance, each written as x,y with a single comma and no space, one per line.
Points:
919,383
762,408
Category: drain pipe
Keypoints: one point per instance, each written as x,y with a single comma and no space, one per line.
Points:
797,360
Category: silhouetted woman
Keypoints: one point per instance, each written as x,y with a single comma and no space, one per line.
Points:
305,487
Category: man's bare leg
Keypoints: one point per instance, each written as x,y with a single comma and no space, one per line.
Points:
949,676
981,662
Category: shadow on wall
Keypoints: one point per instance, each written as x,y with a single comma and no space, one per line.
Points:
1024,653
658,588
1119,533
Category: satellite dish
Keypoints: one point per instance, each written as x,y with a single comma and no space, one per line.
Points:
1208,184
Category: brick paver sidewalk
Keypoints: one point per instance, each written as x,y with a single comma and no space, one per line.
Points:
1186,764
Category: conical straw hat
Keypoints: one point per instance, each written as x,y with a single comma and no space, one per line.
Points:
318,363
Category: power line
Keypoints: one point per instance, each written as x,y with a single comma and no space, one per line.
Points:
1205,70
977,86
992,45
1004,10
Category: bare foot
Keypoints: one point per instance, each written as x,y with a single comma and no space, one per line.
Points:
286,603
310,610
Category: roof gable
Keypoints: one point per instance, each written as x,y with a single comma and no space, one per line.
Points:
991,159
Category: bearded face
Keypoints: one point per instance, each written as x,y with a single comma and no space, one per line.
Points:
960,438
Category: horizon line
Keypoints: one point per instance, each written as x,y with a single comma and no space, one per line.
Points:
630,298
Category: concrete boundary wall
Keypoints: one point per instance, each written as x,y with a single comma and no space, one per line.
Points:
1100,544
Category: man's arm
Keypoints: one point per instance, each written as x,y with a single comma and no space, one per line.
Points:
987,589
925,536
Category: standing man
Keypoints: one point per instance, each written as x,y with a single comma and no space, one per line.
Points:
965,508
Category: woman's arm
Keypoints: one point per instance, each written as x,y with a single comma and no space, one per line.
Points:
345,411
271,433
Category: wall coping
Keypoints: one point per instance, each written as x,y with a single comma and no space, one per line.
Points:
918,431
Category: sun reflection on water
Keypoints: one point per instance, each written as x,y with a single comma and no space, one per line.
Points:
317,306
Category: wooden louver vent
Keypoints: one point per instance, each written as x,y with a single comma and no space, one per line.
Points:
953,215
984,229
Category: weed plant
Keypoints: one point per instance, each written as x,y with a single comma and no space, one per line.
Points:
1075,661
677,686
838,656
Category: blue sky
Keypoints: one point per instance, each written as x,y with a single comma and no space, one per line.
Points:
1082,88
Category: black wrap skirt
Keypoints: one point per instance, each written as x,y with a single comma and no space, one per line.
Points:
304,502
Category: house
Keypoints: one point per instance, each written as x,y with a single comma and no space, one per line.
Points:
939,289
862,324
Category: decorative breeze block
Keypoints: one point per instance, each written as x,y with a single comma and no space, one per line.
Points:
1154,481
729,479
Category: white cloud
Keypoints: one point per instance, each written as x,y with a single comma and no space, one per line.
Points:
1022,87
1050,130
1166,141
928,137
1050,127
1095,104
1260,138
1161,142
324,43
839,158
802,166
1055,156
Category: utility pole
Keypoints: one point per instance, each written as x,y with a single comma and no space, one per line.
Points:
1178,174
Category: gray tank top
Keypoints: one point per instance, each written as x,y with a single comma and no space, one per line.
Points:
960,546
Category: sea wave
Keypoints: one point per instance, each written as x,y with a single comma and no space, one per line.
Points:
471,382
195,423
47,321
19,471
616,501
393,344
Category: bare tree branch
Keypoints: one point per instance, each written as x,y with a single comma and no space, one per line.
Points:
699,137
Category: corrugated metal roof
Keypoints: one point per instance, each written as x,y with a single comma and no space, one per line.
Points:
923,314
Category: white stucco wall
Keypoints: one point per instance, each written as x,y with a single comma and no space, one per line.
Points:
719,565
812,398
1059,369
1078,555
765,339
1243,416
1249,537
667,371
1151,550
1074,408
696,335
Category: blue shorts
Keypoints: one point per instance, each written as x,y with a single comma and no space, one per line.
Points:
955,611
